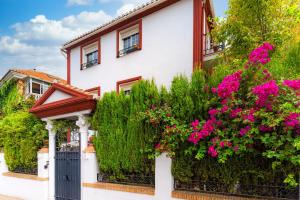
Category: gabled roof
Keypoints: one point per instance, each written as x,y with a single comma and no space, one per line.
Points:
23,73
75,100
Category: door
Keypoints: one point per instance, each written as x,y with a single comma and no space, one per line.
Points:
67,172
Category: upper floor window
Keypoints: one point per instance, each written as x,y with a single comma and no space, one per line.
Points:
90,54
36,88
129,38
126,85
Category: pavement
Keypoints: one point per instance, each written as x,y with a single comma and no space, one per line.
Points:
4,197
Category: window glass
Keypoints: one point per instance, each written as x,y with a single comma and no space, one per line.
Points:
92,56
36,88
131,41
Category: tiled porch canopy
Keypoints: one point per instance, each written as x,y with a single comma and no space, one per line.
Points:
63,99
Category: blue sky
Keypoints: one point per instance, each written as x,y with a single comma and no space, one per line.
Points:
32,31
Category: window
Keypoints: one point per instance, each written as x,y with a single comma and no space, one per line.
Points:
126,85
37,88
129,38
90,54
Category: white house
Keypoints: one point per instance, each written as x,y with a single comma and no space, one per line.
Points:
157,40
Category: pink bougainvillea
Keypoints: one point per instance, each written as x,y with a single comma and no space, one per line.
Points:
292,120
264,91
229,85
261,54
212,151
245,130
293,84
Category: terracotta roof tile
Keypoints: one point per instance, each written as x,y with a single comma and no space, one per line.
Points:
40,75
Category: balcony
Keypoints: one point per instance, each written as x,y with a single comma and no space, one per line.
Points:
128,50
89,64
212,51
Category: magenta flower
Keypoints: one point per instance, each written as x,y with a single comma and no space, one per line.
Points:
264,91
236,148
261,54
213,112
245,130
292,120
224,109
195,137
212,151
229,85
293,84
222,144
264,128
234,113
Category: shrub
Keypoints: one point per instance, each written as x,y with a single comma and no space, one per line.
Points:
23,135
122,135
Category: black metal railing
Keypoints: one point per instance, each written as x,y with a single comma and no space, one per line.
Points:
21,170
214,49
89,64
263,191
130,179
128,50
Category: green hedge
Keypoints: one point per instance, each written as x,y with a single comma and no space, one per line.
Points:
23,135
121,133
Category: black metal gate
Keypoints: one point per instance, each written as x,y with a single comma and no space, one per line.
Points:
67,173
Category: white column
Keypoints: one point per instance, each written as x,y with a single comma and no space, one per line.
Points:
83,125
164,181
52,144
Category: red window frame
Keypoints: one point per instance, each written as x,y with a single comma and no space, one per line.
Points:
119,83
98,40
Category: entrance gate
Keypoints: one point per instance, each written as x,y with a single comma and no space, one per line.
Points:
67,172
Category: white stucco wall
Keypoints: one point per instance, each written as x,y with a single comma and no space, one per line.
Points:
22,188
167,51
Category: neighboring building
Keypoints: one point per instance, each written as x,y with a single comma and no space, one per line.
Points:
158,40
31,82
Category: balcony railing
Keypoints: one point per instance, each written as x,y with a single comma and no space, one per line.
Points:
89,64
214,49
265,191
128,50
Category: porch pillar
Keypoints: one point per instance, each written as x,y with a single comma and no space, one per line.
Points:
52,144
83,125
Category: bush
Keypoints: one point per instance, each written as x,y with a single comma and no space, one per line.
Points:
23,135
122,135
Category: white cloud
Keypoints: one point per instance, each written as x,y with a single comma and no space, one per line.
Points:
125,8
36,43
78,2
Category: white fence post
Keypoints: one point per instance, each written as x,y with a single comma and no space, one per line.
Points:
164,181
43,163
90,165
3,166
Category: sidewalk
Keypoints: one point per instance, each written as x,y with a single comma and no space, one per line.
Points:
3,197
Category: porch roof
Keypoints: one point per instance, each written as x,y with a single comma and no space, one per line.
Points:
62,99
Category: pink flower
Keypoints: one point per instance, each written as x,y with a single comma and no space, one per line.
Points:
214,90
222,144
293,84
264,128
261,54
157,146
224,109
195,123
213,112
234,113
229,85
292,120
195,137
212,151
245,130
264,91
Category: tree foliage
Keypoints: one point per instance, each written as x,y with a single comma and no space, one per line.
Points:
252,22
